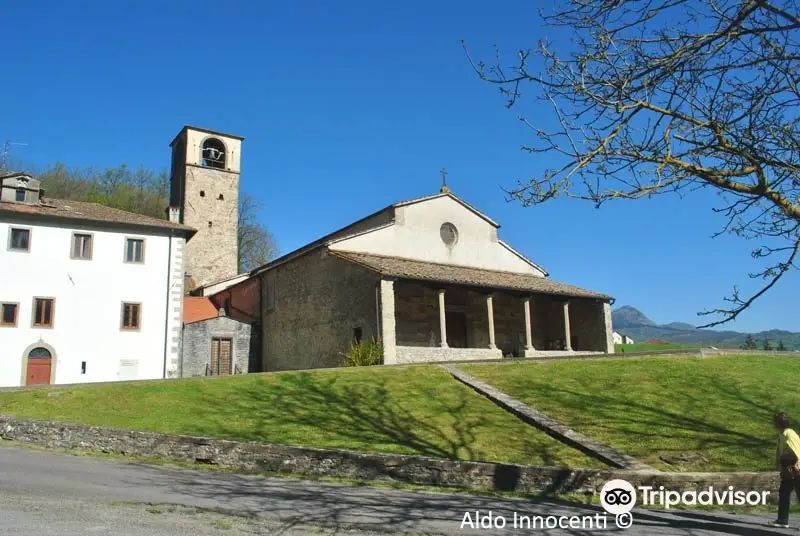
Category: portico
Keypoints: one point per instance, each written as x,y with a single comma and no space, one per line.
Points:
429,320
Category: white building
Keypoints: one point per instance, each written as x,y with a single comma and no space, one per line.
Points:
88,293
620,338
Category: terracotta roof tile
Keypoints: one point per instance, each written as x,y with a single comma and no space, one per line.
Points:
464,275
95,212
197,308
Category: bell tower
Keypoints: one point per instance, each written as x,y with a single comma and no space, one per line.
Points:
204,184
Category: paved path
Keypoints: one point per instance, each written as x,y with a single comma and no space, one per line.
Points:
49,493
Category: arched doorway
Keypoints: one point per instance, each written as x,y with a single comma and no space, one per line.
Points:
39,366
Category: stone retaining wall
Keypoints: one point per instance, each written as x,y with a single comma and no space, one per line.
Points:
359,466
431,354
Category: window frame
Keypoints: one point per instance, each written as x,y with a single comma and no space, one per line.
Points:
11,230
72,255
52,323
24,195
3,323
122,325
125,249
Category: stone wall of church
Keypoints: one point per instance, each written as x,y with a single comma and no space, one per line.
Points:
586,318
416,309
417,315
509,324
310,307
547,321
211,201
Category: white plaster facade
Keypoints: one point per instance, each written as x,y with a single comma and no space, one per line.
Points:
194,144
86,328
415,234
620,338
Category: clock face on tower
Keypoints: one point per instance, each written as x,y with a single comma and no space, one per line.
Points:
449,234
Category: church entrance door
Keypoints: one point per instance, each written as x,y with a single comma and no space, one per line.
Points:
456,329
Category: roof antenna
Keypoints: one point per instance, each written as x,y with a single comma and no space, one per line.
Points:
4,155
444,188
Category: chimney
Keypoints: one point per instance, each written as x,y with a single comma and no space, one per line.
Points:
174,214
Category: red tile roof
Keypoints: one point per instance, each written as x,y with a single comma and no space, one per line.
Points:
93,212
465,275
198,308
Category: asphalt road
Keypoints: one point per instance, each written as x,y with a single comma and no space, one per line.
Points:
58,494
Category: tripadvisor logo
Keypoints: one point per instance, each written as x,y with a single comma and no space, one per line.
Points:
618,496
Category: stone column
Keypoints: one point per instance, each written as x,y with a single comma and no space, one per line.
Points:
567,334
528,330
490,313
388,332
442,321
607,327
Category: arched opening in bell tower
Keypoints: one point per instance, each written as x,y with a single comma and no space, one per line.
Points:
213,153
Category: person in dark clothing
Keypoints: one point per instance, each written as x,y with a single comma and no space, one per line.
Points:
788,461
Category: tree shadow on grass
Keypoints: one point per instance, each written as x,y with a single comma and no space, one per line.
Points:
441,419
646,426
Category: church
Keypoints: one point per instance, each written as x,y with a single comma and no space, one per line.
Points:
428,277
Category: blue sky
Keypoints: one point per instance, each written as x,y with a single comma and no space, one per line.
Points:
346,107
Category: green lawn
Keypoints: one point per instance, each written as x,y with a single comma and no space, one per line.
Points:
719,407
407,410
650,347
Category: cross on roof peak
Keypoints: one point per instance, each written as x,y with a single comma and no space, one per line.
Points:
444,188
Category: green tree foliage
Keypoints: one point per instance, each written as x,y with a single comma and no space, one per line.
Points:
781,347
749,343
142,191
765,345
146,192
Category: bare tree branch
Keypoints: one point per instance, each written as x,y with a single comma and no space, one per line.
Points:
671,97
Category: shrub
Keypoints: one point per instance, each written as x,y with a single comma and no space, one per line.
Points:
364,354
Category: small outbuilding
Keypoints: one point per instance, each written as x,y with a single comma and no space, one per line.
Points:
215,344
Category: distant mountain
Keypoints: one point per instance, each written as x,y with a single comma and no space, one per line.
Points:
680,325
635,324
628,316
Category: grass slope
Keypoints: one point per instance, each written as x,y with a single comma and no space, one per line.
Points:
720,408
414,410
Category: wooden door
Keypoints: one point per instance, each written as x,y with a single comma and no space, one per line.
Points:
40,363
456,329
220,356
